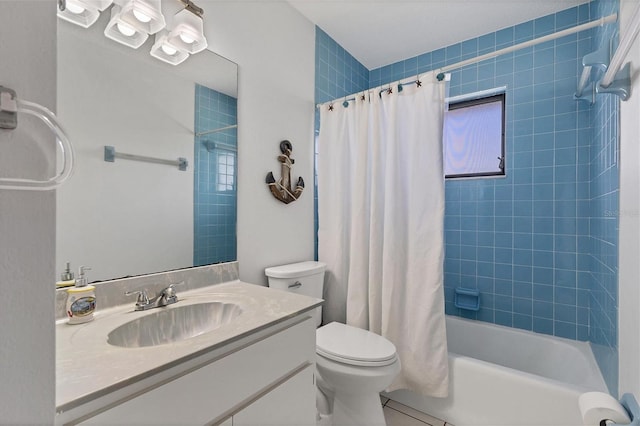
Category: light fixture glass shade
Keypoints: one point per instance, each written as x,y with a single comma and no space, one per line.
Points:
98,4
143,15
83,12
118,30
187,32
166,52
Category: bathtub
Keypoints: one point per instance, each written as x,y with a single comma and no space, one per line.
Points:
504,376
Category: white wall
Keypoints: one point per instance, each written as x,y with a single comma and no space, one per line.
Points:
274,47
27,219
127,217
629,272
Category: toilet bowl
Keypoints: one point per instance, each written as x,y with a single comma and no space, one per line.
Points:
352,365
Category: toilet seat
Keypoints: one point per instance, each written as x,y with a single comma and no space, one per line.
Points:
354,346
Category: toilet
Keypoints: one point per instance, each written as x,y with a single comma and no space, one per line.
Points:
352,365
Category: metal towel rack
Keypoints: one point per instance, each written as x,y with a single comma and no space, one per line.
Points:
615,65
10,106
615,77
110,155
598,61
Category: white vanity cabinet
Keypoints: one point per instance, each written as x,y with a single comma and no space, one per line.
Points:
265,378
287,405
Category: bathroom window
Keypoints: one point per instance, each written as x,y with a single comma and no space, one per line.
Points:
474,137
226,170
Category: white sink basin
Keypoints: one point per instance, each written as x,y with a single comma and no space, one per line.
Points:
172,324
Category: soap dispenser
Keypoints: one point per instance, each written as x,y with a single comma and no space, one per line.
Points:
66,279
81,299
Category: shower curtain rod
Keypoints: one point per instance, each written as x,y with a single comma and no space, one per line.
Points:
441,71
597,23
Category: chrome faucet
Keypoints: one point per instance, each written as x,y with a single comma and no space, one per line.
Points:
165,297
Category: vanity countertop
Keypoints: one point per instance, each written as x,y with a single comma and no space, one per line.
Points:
87,367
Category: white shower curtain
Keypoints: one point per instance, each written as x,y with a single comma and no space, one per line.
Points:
381,214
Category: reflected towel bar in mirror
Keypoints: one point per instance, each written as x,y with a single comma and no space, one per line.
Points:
220,129
110,155
212,146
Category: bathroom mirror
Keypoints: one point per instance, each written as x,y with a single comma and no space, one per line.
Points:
130,217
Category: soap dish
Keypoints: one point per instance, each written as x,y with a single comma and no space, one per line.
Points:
466,298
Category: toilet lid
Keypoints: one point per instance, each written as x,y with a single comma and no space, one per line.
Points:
351,345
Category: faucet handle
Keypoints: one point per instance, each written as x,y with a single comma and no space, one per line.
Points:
175,284
143,298
169,293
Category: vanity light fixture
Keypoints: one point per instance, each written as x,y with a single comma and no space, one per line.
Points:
166,52
144,16
186,31
121,31
132,21
82,12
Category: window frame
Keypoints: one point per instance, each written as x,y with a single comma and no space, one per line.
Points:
226,153
480,101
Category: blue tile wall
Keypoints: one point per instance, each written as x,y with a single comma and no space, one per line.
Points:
540,244
519,239
604,215
338,74
215,189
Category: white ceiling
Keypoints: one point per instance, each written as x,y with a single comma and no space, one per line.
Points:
381,32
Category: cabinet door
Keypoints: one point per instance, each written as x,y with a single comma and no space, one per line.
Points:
290,404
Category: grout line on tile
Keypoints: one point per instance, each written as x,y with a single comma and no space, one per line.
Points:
416,414
407,415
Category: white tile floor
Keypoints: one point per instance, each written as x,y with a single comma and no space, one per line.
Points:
397,414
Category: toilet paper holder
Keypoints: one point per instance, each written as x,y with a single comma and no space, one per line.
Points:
630,404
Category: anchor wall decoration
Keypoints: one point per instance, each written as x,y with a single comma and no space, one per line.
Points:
281,189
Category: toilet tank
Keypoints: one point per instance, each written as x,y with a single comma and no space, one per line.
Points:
303,277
